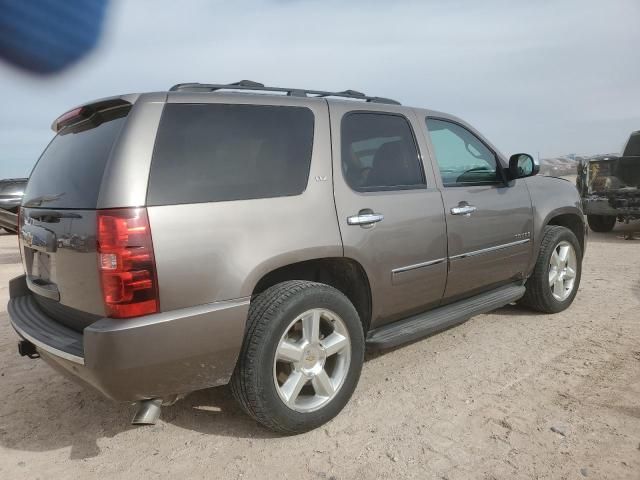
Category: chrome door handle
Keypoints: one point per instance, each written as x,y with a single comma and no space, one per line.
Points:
463,210
365,219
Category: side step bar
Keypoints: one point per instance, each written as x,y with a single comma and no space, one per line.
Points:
441,318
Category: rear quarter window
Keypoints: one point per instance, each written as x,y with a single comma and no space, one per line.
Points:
220,152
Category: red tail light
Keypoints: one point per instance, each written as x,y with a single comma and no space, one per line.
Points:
126,263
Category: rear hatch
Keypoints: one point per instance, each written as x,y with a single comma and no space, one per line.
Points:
59,222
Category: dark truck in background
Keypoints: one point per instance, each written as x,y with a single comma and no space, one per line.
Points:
610,187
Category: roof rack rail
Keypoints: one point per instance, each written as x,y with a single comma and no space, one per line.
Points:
292,92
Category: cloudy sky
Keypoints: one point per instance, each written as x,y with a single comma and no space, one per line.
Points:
549,77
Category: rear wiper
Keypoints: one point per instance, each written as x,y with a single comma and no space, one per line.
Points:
36,202
45,214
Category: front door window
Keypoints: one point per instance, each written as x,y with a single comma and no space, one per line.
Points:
462,158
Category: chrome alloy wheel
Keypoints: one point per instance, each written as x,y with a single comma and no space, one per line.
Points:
563,266
312,360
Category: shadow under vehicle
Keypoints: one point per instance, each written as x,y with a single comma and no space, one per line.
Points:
610,187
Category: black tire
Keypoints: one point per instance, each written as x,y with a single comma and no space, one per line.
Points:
270,314
538,295
601,223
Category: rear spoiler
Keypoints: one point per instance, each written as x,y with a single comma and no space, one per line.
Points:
87,111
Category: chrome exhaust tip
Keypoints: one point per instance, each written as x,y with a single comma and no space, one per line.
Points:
148,412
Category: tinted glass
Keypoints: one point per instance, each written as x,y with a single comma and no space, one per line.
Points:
69,172
215,152
462,158
379,153
632,148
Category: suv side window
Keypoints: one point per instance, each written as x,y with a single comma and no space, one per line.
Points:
379,152
462,157
220,152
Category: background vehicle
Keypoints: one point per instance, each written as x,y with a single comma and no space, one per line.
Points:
610,187
11,192
262,239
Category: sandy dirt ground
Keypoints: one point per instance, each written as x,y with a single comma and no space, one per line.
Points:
508,395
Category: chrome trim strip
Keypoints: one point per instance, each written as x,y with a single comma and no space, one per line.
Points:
418,265
43,346
490,249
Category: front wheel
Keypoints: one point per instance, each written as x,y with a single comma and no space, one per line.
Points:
301,357
601,223
556,276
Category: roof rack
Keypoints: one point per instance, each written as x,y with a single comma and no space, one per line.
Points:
292,92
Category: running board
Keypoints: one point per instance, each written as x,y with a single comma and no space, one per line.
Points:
441,318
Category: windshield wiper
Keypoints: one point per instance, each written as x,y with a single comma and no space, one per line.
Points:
48,215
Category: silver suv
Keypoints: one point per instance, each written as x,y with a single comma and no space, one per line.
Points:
262,237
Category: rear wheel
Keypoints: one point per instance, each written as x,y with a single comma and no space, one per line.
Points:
301,358
601,223
556,276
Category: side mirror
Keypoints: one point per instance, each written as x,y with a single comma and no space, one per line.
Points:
522,165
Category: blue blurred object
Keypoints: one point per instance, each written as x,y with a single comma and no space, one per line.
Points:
46,36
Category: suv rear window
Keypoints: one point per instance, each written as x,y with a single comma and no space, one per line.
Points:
69,172
218,152
633,146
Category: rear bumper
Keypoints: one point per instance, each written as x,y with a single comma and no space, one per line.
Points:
600,205
153,356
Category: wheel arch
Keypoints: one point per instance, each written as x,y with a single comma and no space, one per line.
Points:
570,217
572,220
342,273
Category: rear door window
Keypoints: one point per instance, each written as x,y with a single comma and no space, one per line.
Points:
69,172
379,153
219,152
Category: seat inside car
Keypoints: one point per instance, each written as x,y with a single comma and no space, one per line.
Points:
391,166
